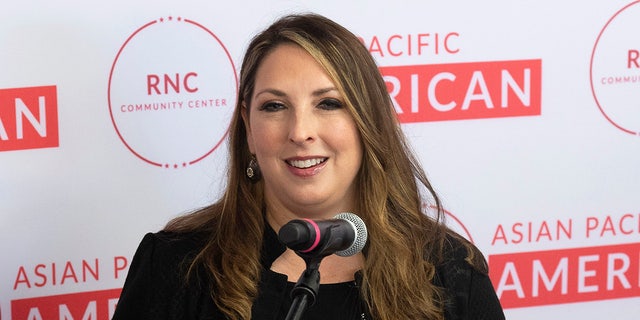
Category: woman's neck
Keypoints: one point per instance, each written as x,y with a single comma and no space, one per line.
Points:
333,268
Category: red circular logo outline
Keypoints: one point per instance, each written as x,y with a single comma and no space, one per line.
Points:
113,121
448,215
593,52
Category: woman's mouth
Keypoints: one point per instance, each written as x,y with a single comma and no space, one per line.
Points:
307,163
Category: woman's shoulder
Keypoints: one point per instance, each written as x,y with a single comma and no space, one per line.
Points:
167,252
176,240
458,251
162,260
157,285
463,274
164,245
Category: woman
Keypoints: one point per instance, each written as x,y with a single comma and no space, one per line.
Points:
314,133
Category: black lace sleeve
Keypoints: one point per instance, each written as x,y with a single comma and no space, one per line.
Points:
470,294
156,287
137,295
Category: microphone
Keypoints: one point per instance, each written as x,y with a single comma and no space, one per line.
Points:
344,235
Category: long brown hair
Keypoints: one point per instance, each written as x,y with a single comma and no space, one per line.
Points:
404,244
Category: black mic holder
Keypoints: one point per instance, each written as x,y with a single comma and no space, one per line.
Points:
306,289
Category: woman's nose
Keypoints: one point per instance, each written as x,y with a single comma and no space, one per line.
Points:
302,127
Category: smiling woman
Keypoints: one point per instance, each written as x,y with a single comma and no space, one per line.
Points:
305,141
314,117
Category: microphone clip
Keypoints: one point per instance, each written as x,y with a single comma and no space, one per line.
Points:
304,292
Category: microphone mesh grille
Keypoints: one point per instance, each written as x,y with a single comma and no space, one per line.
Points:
361,234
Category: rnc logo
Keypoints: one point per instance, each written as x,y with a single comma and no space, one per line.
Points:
615,70
28,118
171,93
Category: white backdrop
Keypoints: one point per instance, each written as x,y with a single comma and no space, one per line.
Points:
545,183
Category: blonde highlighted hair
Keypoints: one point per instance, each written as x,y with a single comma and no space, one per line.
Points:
404,244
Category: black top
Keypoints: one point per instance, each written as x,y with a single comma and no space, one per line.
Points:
155,288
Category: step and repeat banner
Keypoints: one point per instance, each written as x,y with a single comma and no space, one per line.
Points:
525,114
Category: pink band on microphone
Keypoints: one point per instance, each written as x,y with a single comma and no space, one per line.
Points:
317,240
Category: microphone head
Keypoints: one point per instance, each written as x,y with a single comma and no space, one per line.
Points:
360,230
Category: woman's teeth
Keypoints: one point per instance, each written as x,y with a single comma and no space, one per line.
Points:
303,164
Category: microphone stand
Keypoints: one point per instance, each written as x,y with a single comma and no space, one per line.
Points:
306,289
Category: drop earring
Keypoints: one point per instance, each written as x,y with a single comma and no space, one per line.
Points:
253,170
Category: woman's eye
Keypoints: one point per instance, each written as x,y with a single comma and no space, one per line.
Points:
272,106
330,104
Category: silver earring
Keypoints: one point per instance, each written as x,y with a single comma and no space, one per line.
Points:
253,170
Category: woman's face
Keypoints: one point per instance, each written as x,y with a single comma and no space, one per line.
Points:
305,140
